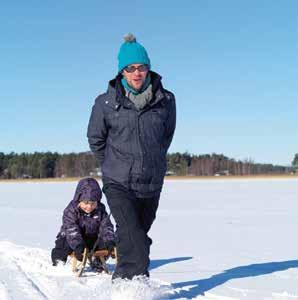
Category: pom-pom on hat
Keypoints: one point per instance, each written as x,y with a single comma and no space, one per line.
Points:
132,52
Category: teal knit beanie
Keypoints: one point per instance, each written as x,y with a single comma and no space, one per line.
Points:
132,52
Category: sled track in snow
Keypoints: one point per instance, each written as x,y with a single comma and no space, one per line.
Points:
31,281
21,273
3,291
27,274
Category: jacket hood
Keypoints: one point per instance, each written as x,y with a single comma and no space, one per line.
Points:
87,189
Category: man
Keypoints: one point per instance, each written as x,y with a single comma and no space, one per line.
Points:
130,130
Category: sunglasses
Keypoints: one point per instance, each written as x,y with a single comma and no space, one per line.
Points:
141,68
86,202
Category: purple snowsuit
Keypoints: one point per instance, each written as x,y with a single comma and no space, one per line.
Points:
78,225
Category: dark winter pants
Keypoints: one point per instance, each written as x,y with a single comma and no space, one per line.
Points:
62,248
134,217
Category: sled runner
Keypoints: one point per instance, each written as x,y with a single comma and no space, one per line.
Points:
93,257
77,266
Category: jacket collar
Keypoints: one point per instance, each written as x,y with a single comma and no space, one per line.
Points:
117,94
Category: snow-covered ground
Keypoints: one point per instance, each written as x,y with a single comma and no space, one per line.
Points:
213,239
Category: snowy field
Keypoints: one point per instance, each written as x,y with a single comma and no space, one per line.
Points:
220,239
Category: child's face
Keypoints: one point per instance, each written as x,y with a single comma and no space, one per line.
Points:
87,206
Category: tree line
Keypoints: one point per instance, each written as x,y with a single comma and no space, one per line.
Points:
218,164
50,165
295,161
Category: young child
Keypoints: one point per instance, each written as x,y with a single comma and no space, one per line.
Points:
84,220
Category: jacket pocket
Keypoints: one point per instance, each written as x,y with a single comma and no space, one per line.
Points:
116,165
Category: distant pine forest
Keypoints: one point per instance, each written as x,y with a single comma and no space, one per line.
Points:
54,165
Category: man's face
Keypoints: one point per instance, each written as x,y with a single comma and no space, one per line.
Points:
136,78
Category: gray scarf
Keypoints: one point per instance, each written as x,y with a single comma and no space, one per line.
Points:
142,99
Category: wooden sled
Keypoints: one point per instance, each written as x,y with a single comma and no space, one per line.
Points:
78,267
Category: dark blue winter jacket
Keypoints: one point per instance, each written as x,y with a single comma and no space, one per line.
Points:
78,225
131,145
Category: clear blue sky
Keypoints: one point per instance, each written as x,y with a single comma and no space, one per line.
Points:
233,66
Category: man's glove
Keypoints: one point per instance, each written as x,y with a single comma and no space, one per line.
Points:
79,250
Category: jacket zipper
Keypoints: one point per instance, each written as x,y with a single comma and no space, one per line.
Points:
139,140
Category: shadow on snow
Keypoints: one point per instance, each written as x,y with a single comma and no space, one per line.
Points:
156,263
203,285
